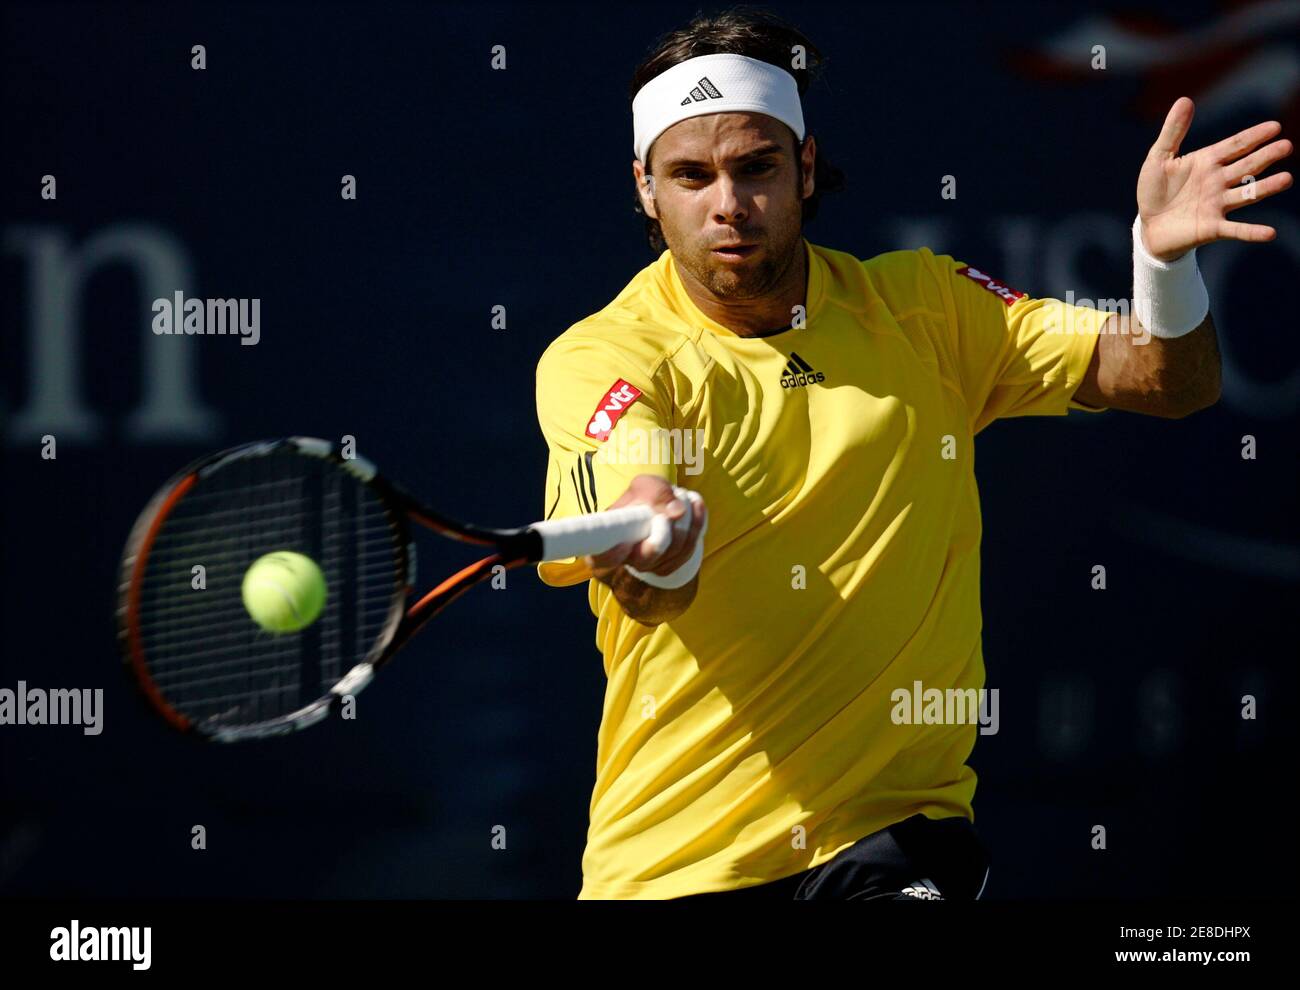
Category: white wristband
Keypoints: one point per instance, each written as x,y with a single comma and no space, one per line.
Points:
684,574
1169,297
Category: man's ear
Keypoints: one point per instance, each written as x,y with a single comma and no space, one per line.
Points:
808,150
650,195
646,190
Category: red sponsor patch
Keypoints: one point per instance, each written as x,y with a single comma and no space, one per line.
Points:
1000,289
620,395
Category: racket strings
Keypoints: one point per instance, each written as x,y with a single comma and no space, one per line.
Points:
204,653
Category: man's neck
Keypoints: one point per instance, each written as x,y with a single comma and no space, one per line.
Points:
757,317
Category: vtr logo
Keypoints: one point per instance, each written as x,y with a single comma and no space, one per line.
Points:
620,395
1004,292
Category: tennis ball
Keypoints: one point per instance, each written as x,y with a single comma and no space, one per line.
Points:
284,591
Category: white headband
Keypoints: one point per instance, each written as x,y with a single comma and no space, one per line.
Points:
722,83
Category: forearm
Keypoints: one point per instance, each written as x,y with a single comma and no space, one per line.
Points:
1161,358
647,604
1162,376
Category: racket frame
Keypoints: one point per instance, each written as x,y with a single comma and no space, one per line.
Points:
513,548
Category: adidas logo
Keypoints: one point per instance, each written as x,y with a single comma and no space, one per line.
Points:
924,890
799,373
703,90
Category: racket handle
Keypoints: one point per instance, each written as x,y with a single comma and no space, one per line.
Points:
597,532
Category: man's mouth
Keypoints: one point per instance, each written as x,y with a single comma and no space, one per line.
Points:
735,252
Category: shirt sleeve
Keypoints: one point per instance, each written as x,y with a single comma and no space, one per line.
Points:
600,413
1015,355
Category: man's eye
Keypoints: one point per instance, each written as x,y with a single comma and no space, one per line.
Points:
753,168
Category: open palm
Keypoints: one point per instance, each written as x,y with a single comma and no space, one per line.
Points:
1183,199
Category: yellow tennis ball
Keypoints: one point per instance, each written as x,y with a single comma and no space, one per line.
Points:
284,591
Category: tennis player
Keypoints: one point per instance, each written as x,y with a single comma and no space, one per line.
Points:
819,414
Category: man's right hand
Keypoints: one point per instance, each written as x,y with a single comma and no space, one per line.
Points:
643,602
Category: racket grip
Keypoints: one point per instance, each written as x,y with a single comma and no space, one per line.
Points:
595,533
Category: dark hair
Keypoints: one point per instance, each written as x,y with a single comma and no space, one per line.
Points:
740,30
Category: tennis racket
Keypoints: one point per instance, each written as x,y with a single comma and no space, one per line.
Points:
202,662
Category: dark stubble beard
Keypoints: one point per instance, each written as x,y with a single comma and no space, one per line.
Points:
754,281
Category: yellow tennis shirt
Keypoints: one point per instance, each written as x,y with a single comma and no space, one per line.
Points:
759,734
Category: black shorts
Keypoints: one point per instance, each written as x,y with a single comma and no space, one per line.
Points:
919,858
